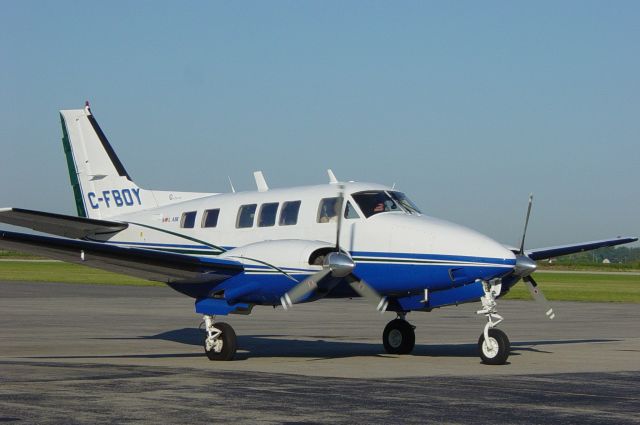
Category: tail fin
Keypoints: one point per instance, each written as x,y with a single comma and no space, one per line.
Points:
101,185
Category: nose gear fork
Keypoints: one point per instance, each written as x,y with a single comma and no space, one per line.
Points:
493,344
492,290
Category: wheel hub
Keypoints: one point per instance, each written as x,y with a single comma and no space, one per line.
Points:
217,345
395,338
490,347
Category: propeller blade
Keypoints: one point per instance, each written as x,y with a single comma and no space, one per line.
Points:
339,211
303,288
526,223
539,296
368,293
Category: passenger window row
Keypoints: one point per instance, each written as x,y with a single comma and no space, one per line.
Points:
246,216
268,213
370,202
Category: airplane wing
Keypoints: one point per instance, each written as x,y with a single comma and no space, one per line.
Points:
555,251
59,224
143,263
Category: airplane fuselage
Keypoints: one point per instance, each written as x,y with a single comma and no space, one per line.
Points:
399,252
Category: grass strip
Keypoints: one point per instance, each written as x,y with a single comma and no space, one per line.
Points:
582,287
556,286
35,271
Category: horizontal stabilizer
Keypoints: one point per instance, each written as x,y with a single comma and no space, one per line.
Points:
146,264
556,251
59,224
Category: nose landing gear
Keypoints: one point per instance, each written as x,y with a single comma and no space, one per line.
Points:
493,344
399,336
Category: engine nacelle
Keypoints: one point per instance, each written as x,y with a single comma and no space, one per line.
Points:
296,253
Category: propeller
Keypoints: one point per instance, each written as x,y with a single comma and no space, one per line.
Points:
526,224
338,264
539,296
525,267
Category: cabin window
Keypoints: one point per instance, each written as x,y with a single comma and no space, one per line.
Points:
246,213
375,202
210,218
350,212
328,210
267,217
289,213
188,220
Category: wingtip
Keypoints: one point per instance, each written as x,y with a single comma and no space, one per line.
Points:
628,238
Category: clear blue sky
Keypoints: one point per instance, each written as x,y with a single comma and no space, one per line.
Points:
466,106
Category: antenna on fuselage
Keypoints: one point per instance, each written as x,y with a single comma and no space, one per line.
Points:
261,183
332,177
233,189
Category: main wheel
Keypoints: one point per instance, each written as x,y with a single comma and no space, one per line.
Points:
225,347
497,350
398,337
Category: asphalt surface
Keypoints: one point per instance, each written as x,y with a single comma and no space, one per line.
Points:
121,354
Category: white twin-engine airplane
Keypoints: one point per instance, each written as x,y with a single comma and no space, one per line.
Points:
276,247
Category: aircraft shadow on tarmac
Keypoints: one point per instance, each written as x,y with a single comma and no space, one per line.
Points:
327,347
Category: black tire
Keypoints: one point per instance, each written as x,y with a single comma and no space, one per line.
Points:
398,337
495,357
228,343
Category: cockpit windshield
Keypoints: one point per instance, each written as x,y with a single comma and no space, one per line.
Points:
405,202
374,202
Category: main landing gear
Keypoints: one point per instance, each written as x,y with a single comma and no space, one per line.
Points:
399,336
493,344
220,342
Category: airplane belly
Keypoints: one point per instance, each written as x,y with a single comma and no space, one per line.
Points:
399,278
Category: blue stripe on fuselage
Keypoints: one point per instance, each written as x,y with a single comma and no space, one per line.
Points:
436,257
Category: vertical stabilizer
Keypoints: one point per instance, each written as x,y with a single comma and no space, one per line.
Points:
101,185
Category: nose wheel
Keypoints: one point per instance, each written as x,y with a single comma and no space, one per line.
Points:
399,336
495,349
493,344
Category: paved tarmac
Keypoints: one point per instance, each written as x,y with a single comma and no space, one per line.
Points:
114,354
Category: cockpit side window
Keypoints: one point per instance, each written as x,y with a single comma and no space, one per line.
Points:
350,212
328,210
374,202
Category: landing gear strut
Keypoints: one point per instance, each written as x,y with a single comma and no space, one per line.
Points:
493,344
220,342
398,336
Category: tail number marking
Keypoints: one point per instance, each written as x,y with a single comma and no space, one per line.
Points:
115,197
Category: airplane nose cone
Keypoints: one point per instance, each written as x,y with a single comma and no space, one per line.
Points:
431,235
